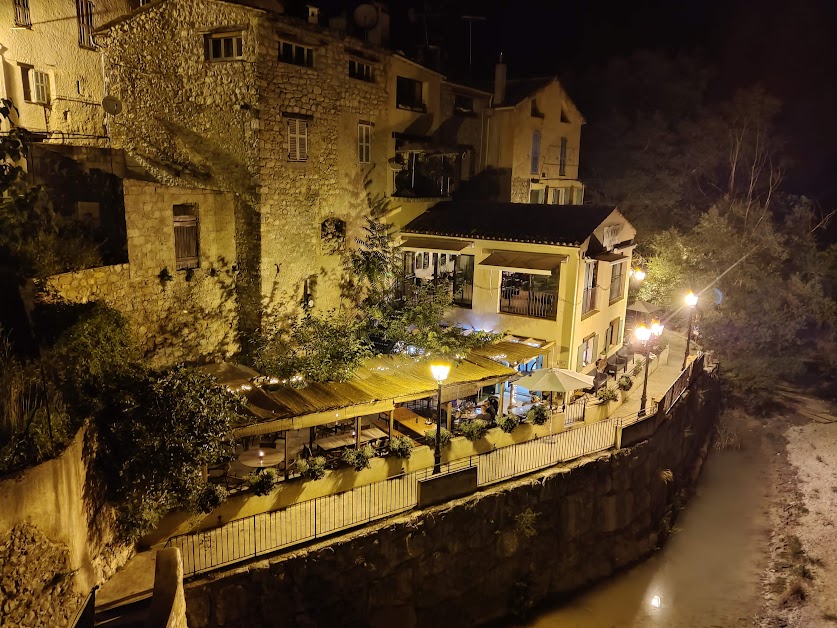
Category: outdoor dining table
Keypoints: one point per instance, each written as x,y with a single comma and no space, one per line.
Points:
346,440
252,458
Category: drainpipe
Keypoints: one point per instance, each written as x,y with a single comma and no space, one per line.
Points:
572,346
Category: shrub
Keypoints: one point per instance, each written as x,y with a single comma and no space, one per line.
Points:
263,481
538,414
401,446
474,429
606,394
209,498
359,458
444,439
638,367
313,468
509,422
625,382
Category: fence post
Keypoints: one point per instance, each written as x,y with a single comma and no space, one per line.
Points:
255,545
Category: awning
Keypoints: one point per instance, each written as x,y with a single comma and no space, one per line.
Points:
435,244
535,263
610,258
514,352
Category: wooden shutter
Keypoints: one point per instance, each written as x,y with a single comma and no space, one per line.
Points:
580,364
297,139
595,353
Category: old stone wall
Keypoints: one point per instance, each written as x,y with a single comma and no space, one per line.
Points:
484,557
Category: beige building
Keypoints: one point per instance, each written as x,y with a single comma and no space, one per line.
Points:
51,68
557,275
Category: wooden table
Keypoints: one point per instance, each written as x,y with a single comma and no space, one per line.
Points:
347,440
269,458
411,422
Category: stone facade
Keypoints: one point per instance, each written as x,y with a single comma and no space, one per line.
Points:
485,557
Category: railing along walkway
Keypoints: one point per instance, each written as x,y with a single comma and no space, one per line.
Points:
298,523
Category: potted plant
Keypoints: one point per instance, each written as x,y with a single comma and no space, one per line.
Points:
508,423
313,468
444,439
359,458
263,481
638,367
538,415
210,497
606,395
625,382
474,429
401,446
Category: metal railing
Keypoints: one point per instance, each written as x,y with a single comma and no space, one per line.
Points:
529,303
574,411
304,521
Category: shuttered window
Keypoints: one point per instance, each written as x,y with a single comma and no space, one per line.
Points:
40,82
587,351
297,139
22,13
186,251
617,281
84,15
591,271
364,143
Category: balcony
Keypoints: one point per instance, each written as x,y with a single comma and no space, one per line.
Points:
424,173
524,294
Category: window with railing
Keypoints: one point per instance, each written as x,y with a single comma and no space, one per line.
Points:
588,301
22,13
84,15
186,249
529,295
426,174
617,281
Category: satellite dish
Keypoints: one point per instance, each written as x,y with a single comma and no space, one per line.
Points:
112,105
366,16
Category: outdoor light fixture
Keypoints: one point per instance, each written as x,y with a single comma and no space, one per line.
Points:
638,274
261,454
656,601
440,371
691,302
644,335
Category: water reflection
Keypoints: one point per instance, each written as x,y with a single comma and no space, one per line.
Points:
708,574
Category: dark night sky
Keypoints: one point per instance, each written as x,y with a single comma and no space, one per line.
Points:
789,46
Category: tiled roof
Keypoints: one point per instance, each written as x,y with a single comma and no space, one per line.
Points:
568,225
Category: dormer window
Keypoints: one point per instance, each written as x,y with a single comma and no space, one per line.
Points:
296,54
223,46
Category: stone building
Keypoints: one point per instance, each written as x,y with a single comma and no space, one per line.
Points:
51,68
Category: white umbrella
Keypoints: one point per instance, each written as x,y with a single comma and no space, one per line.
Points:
555,380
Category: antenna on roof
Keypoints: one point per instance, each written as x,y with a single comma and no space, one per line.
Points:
471,19
366,17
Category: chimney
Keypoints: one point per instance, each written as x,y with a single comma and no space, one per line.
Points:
313,14
499,82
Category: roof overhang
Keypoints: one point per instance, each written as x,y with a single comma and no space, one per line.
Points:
610,258
435,244
534,263
516,351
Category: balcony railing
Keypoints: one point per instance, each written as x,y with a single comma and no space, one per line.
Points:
529,303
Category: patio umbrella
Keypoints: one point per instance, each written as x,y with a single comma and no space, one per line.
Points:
643,307
555,380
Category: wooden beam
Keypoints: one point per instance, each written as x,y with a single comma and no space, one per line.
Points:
287,473
449,410
391,421
357,432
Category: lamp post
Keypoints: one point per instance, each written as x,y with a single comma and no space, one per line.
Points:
440,372
638,273
644,335
691,302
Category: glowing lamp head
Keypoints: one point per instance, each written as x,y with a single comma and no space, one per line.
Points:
691,299
656,328
261,454
656,601
639,274
440,371
642,333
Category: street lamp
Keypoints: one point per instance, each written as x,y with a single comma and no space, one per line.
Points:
440,371
638,274
644,335
691,302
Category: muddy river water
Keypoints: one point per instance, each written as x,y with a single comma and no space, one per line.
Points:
709,571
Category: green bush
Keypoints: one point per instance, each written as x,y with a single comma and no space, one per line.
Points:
508,423
474,429
538,414
444,439
638,367
313,468
625,382
360,459
606,394
262,482
401,446
210,497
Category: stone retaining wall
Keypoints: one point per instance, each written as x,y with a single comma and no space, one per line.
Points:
484,557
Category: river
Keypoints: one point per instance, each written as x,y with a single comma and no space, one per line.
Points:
707,574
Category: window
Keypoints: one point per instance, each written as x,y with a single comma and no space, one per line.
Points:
84,15
559,196
364,143
361,71
536,195
591,271
579,196
296,54
40,81
529,295
463,105
22,13
535,112
309,291
297,139
536,152
612,334
587,351
463,281
409,93
186,237
223,46
562,164
25,81
617,281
